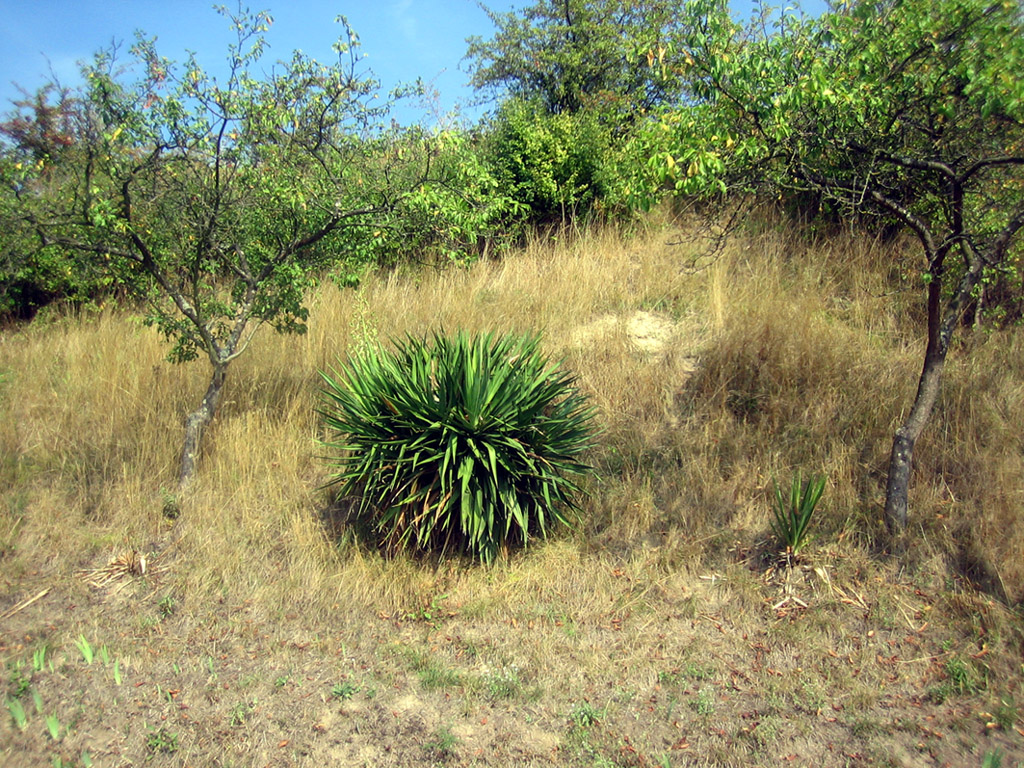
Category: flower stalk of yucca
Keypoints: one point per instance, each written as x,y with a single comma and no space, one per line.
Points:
462,443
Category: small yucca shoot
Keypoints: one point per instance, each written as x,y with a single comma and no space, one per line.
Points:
792,513
457,443
53,726
85,648
17,711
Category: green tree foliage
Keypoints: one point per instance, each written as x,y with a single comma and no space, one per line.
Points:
468,209
610,56
458,443
575,78
554,165
38,135
909,111
217,202
20,287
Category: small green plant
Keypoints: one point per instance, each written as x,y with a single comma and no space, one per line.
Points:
344,691
961,676
961,679
463,443
504,683
171,508
86,649
39,658
160,740
19,681
117,671
241,711
434,677
430,614
669,678
699,671
584,715
281,681
691,671
53,726
443,744
704,703
17,713
792,514
166,606
432,674
993,759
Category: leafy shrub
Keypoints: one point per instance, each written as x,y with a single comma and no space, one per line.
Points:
552,164
466,215
463,443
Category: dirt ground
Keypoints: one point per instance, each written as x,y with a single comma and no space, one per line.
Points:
675,673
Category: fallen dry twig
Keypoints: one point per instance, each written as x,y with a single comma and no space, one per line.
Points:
24,604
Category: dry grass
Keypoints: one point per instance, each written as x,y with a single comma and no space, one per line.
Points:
659,634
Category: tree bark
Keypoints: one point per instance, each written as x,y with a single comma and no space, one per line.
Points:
196,423
941,326
901,458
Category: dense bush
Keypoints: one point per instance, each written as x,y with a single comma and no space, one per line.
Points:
469,213
32,277
553,164
461,443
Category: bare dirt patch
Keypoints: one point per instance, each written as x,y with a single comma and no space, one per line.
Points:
649,333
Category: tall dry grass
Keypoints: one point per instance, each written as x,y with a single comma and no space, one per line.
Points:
782,355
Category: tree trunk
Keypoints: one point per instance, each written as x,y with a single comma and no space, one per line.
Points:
196,423
901,459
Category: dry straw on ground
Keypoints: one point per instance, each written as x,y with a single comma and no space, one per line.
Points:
658,634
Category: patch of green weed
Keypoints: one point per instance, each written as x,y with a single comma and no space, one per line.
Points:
241,711
344,691
442,744
584,715
161,741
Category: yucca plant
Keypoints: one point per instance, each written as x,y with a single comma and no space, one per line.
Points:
463,443
792,514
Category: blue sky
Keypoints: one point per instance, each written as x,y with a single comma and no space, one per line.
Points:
402,39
